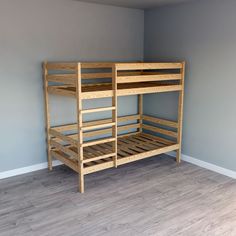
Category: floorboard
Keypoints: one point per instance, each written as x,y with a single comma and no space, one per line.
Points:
150,197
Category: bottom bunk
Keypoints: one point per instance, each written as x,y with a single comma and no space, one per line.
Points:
131,147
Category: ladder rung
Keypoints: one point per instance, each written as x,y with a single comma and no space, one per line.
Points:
98,126
98,110
105,140
99,158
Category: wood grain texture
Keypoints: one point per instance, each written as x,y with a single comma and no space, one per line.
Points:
151,197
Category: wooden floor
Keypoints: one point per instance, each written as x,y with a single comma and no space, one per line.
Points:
149,197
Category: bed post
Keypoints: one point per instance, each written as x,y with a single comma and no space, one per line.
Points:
180,114
114,113
80,132
140,111
47,114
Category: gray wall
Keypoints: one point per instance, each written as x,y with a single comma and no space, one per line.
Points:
204,34
35,30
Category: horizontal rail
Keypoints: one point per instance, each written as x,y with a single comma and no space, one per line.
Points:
159,130
64,138
97,126
67,66
147,154
70,127
62,78
98,110
91,143
160,121
99,157
64,149
148,66
147,78
95,75
65,160
95,65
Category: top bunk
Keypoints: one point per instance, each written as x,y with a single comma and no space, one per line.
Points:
100,79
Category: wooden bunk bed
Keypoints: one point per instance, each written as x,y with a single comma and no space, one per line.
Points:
90,146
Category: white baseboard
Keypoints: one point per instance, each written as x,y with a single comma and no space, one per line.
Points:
28,169
206,165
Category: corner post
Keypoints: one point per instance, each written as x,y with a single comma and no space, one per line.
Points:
47,114
79,127
180,114
140,111
114,113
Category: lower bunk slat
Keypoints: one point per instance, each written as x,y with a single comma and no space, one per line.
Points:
131,148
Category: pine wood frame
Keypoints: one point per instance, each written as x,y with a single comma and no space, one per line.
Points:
103,151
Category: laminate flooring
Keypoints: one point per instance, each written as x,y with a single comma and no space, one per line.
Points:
149,197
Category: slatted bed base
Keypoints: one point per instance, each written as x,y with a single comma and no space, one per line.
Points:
130,148
105,90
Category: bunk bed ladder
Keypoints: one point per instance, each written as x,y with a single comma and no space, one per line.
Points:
81,127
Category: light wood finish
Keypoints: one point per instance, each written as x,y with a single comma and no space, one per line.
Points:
114,113
79,128
135,147
91,146
98,126
140,111
156,120
180,115
47,114
148,66
98,109
145,78
105,91
160,130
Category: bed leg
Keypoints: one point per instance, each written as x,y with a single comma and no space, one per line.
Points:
49,162
178,156
81,183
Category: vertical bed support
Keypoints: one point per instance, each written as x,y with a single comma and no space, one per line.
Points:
114,113
140,111
47,114
79,127
180,114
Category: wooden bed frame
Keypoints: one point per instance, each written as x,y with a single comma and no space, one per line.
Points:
90,146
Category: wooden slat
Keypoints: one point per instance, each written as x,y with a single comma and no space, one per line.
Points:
70,127
99,141
146,78
156,89
97,126
60,91
96,75
159,130
63,137
68,66
62,78
95,65
98,167
148,66
160,121
158,139
97,110
99,157
144,155
64,149
65,160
